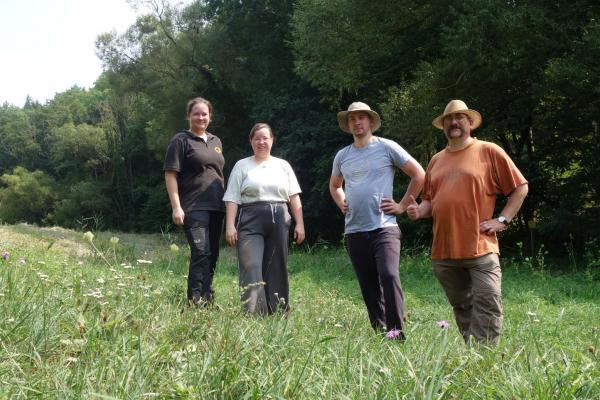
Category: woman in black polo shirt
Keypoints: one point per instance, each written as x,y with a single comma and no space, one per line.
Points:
194,178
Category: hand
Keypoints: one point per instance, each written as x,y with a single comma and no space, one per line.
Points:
231,235
178,216
491,226
299,234
344,207
389,206
412,210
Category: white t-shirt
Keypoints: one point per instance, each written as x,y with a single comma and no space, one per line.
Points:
270,180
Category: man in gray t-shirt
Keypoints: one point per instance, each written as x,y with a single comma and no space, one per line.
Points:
361,185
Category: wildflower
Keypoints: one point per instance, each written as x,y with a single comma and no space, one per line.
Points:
5,255
443,324
114,240
100,280
174,248
88,236
393,334
531,313
144,261
22,261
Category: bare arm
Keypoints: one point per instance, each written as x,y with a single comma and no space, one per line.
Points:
296,210
417,176
231,209
416,211
336,190
512,207
172,188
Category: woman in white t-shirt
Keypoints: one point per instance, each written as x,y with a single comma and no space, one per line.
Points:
257,222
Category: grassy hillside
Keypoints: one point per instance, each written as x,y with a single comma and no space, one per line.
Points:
109,320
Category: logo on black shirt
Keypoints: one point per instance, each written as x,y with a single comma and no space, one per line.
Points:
218,150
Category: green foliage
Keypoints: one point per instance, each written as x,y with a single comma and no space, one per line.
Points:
26,196
530,68
79,203
19,144
80,151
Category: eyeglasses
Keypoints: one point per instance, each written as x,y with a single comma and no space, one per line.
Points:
457,117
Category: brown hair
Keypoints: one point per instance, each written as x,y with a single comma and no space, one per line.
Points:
195,101
260,125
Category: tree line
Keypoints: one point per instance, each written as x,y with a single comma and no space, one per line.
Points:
93,157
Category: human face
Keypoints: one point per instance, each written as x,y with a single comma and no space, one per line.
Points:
457,126
199,118
359,123
261,143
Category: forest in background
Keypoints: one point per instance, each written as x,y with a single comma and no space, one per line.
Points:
92,158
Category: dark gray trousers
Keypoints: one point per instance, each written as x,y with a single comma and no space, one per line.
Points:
262,248
375,256
203,232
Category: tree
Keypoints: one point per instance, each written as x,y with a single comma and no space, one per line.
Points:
26,196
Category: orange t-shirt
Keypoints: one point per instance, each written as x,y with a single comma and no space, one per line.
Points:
462,188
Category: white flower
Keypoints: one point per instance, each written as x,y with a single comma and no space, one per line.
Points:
100,280
140,261
114,240
88,236
174,248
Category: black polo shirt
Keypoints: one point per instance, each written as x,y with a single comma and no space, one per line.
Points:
199,167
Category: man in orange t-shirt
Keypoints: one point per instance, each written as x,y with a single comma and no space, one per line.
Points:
461,184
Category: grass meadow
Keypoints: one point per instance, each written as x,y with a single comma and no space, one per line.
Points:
108,320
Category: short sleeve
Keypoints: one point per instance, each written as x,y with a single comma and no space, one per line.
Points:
174,156
398,155
293,185
337,169
507,176
234,185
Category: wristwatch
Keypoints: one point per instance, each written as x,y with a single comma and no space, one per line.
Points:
502,219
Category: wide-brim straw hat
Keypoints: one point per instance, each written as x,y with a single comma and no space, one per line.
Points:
458,107
342,116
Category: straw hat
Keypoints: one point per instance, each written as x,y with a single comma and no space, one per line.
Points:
342,116
457,107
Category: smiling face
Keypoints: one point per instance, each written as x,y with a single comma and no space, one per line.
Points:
261,141
359,123
457,126
199,117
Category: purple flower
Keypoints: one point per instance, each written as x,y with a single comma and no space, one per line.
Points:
5,255
393,334
443,324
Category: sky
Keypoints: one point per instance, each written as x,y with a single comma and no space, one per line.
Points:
48,46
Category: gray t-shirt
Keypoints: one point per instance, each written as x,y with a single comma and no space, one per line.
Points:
368,174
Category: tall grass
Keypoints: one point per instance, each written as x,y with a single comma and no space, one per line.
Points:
74,324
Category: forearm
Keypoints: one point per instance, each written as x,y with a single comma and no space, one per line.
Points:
172,188
336,190
296,210
417,177
515,201
425,209
413,189
231,209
